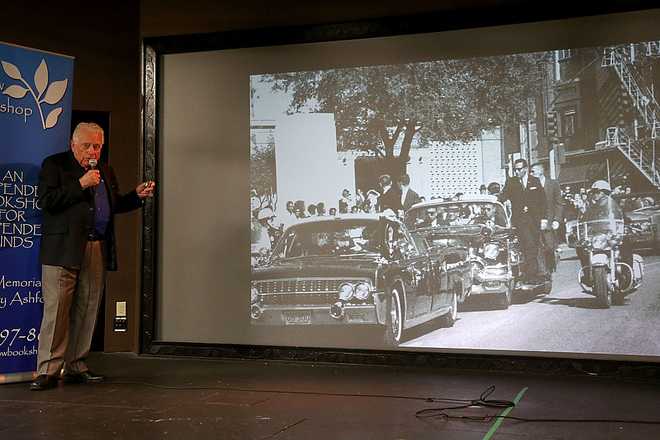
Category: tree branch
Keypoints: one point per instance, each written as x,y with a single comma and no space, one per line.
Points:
409,135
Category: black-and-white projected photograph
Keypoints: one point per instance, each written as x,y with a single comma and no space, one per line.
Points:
506,203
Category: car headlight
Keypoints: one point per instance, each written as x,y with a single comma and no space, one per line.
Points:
491,251
362,291
254,295
346,291
600,241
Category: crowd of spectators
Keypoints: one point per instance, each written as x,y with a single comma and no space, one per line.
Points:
396,195
576,200
392,194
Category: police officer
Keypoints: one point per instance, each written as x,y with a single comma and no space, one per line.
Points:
602,207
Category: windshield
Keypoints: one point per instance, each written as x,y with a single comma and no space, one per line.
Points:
601,218
588,229
456,214
329,238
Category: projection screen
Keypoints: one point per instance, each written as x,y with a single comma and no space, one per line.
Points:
486,190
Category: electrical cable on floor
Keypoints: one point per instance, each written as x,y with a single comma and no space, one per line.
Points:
490,417
312,393
484,402
430,413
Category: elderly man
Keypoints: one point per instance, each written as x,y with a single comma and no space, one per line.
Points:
79,199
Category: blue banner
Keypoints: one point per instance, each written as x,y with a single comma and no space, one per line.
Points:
35,122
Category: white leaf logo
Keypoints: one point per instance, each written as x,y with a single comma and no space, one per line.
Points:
41,78
16,92
42,91
55,91
52,117
11,70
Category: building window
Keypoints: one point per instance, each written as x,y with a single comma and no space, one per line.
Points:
559,56
568,123
564,54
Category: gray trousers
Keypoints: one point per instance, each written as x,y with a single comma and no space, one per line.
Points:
71,303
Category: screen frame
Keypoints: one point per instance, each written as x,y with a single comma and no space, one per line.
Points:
152,51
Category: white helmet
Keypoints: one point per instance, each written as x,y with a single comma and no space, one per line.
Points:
602,185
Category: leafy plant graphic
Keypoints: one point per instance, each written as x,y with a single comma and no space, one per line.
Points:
53,92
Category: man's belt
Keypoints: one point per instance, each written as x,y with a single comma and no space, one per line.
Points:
94,236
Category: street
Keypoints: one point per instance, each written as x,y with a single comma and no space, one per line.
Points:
565,321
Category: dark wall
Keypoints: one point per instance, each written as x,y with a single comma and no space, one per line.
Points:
171,17
104,39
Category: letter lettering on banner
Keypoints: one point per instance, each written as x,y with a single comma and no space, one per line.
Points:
35,120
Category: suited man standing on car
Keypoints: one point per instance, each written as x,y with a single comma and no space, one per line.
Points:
390,197
78,201
553,208
408,196
528,210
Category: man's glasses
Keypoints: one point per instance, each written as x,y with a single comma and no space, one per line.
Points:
518,169
89,145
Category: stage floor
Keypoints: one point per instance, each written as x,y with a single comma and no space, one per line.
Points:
174,398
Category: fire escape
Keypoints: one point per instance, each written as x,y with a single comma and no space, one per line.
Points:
636,143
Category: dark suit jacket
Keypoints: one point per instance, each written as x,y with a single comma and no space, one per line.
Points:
390,199
529,201
411,198
68,211
553,200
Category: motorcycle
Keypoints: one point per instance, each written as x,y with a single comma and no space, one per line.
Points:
609,271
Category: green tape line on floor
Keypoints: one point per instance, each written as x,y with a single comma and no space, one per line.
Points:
504,413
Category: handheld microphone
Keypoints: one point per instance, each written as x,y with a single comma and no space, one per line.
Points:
92,165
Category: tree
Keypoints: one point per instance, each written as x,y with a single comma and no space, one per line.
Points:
262,173
379,108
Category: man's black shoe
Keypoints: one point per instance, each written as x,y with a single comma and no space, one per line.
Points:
43,382
84,377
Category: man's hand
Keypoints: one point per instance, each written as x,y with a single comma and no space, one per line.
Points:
146,189
91,178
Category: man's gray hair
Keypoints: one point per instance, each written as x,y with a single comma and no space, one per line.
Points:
86,126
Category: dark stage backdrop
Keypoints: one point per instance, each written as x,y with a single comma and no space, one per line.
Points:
244,131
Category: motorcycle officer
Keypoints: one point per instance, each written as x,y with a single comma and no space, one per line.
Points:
601,207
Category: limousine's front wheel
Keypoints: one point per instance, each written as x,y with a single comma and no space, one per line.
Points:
449,318
505,298
394,317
